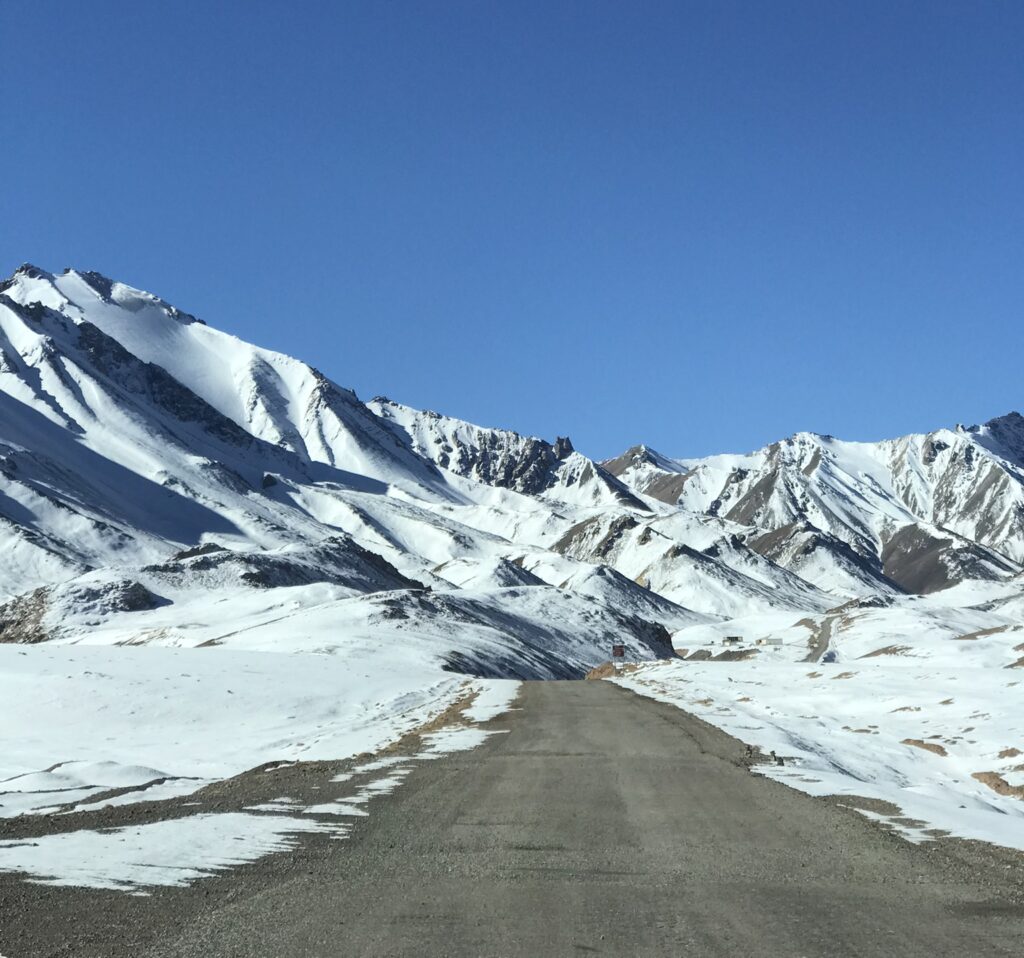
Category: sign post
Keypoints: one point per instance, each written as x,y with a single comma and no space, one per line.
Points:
618,654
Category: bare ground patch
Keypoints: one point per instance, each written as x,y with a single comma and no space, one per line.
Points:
888,650
998,784
608,670
980,634
927,746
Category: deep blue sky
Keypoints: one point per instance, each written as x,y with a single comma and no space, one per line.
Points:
700,225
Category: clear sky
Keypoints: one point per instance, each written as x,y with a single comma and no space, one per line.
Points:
700,225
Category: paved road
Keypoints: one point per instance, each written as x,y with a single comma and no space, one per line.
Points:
598,823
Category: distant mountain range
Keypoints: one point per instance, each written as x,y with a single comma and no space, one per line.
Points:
148,460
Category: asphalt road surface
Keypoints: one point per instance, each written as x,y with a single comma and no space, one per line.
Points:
595,822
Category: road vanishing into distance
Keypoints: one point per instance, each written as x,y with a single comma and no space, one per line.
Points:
595,822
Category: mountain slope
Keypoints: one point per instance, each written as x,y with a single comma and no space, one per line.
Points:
499,457
147,461
164,482
959,495
272,397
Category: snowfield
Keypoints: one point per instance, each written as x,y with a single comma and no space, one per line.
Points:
174,852
934,744
80,721
89,727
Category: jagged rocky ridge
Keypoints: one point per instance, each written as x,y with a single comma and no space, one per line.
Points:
153,468
923,511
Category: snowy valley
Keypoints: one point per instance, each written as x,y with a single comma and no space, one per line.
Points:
215,557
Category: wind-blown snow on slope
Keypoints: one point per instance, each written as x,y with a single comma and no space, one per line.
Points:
272,397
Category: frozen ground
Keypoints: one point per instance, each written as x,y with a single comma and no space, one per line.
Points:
88,727
944,746
81,720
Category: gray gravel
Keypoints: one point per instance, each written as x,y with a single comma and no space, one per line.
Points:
598,823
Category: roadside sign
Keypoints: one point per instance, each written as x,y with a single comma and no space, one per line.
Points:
618,651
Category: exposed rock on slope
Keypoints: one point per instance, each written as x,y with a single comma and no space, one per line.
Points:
957,495
338,560
30,618
499,457
922,561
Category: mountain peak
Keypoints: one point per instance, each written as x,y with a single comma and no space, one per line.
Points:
1012,419
636,456
25,271
563,447
805,436
74,289
30,271
1004,435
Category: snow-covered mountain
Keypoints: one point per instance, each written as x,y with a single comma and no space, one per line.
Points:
922,511
165,483
499,457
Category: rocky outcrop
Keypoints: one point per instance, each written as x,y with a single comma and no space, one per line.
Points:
503,458
906,509
28,618
338,560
